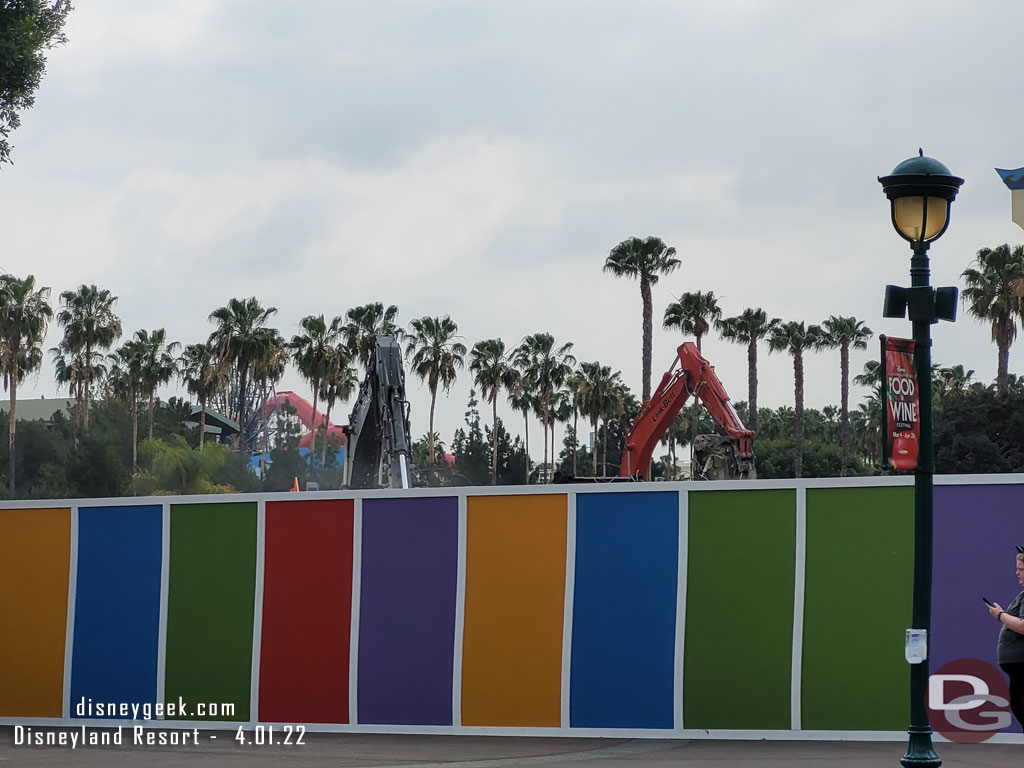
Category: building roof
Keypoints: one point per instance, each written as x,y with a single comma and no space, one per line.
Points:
40,409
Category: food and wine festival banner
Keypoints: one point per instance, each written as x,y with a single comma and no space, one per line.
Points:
902,419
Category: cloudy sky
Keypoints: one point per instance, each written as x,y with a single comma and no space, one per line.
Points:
479,159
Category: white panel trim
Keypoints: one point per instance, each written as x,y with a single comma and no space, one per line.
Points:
682,566
69,626
165,582
257,611
460,612
357,587
567,613
799,581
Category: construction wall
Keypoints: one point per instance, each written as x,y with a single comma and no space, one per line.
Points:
723,609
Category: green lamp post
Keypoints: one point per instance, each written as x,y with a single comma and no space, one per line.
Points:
920,192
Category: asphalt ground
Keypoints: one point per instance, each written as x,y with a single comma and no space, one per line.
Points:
395,751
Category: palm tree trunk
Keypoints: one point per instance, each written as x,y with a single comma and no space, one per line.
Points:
575,437
752,385
12,425
135,432
798,391
648,331
266,435
88,374
544,423
151,393
242,382
202,422
593,426
844,405
323,448
313,427
526,431
1002,360
494,437
604,457
430,431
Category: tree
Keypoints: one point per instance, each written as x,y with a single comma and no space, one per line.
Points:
158,366
340,383
599,390
749,328
545,366
492,370
126,380
993,294
796,339
268,368
27,29
843,333
646,260
315,355
365,324
203,376
435,355
89,323
693,313
24,314
240,337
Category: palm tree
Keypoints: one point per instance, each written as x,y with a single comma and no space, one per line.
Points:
158,365
69,371
645,260
339,384
240,337
203,376
268,367
522,401
843,333
600,385
126,379
492,370
436,355
576,387
24,314
315,355
749,328
693,313
545,367
365,324
87,316
993,293
795,339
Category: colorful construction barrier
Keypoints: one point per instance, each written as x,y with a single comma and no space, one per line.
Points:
728,609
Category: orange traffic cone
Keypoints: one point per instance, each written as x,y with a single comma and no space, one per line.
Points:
295,485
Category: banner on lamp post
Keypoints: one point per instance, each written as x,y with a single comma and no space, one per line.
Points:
901,408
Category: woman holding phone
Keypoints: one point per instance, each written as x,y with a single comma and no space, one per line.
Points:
1010,649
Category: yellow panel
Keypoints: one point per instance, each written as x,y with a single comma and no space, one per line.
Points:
35,548
515,599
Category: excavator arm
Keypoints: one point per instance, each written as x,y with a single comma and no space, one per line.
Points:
378,448
726,456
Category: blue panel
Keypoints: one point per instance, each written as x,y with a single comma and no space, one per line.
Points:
624,610
117,606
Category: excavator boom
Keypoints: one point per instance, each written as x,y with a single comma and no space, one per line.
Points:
726,456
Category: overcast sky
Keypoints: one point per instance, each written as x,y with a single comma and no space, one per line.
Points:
480,159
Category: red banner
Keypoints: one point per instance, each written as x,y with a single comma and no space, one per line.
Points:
900,403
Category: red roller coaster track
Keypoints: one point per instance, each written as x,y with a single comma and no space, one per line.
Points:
305,413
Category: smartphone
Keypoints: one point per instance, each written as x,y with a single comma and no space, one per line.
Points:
986,601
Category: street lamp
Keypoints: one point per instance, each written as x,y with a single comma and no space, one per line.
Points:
920,192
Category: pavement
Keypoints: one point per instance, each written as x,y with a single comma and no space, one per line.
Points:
340,750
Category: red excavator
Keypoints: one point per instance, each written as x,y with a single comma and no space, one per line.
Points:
726,456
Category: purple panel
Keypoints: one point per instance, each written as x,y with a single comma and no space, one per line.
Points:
407,611
976,528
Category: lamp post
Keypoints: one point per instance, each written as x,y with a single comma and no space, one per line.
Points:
920,192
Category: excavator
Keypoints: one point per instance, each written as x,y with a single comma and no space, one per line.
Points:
726,456
379,449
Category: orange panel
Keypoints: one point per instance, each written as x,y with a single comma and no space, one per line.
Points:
515,599
35,551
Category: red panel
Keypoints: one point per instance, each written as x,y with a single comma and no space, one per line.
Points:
307,612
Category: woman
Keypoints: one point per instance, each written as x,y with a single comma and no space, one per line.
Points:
1010,650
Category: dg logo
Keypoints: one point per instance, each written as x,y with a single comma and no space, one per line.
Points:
968,701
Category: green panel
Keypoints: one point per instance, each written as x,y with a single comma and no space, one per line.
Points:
739,609
210,606
857,606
